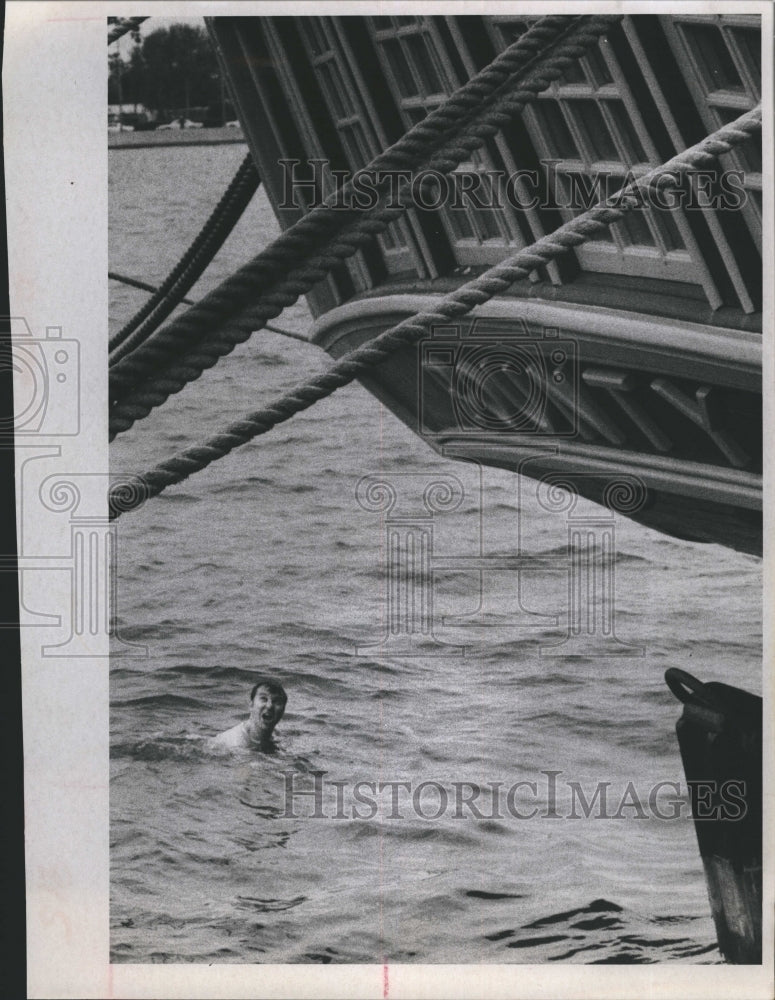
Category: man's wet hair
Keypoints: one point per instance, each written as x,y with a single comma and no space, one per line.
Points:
270,684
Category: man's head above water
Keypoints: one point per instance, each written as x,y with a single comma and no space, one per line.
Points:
267,706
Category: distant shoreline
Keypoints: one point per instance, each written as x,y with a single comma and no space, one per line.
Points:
175,137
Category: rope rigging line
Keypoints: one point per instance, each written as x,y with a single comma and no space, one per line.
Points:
132,493
294,245
120,26
142,285
192,264
146,287
225,303
296,242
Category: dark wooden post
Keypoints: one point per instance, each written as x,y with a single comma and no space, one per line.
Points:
720,738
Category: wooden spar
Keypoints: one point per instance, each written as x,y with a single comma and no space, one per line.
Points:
720,738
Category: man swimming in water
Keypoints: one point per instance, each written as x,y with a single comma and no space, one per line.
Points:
267,706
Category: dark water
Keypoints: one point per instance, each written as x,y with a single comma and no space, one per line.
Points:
266,563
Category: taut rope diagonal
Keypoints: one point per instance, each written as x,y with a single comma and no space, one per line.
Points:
120,26
127,495
147,287
297,242
294,249
144,286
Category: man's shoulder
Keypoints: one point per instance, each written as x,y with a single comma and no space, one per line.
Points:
234,737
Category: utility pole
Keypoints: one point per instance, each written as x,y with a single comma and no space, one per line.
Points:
117,64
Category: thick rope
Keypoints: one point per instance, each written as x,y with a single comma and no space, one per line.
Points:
225,303
496,280
296,243
120,26
192,264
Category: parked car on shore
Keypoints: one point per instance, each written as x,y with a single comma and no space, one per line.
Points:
177,123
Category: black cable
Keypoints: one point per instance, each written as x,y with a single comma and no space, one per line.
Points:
192,264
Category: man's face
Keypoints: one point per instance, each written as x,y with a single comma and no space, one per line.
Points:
267,709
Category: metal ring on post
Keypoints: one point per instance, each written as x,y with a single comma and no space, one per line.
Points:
683,685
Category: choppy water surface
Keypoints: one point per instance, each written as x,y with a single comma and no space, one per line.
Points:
266,563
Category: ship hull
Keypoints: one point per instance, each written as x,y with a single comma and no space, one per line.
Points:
656,420
627,368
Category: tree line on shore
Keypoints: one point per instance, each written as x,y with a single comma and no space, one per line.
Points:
170,72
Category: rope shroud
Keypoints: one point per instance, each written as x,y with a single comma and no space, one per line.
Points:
494,281
301,257
120,26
